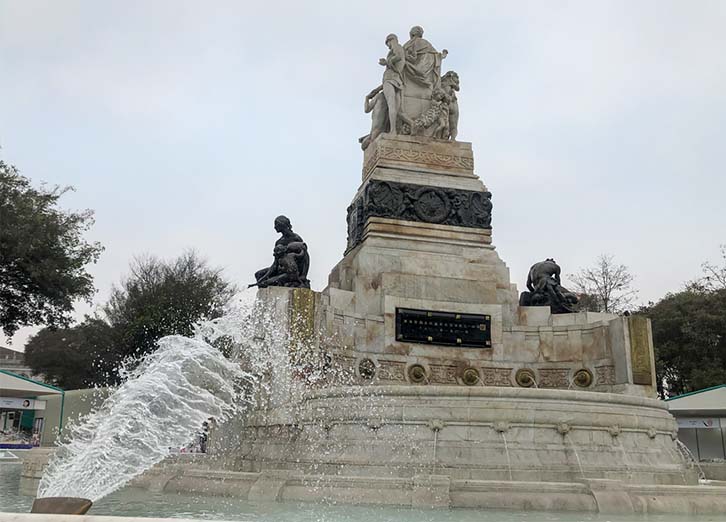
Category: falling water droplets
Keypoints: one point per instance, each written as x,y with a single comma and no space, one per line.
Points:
160,406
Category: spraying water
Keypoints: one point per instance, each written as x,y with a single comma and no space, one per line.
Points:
161,405
691,459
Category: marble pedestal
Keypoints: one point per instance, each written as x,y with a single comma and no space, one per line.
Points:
425,424
420,237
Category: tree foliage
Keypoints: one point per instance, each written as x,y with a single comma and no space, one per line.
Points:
714,276
43,255
607,285
76,357
158,298
587,303
162,298
689,335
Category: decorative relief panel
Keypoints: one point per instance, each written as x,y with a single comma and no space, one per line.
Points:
417,156
605,375
392,371
553,378
496,376
443,206
443,374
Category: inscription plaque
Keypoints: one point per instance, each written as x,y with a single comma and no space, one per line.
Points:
444,328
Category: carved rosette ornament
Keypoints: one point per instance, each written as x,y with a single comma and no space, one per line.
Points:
582,378
525,378
409,202
431,205
367,369
470,377
417,374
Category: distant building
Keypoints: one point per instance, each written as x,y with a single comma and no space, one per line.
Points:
64,410
14,361
701,417
22,412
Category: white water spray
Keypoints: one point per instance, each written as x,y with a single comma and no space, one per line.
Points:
161,405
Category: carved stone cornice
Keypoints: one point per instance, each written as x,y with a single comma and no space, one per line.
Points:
422,157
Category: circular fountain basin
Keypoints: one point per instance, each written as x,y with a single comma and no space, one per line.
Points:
480,433
450,446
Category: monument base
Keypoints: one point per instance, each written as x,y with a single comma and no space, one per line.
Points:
443,446
466,433
476,402
420,238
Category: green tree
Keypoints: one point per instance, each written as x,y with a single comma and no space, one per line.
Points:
714,276
43,255
165,297
76,357
158,298
607,284
587,303
689,336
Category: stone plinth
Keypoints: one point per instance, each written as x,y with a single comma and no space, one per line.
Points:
420,237
416,159
552,412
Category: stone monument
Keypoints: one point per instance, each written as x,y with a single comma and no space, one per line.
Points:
437,386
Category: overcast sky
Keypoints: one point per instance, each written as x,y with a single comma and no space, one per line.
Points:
599,126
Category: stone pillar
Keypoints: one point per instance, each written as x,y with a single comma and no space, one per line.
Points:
631,341
642,354
419,236
302,323
287,332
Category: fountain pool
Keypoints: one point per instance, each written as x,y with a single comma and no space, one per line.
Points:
135,502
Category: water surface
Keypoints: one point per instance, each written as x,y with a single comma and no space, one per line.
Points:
141,503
